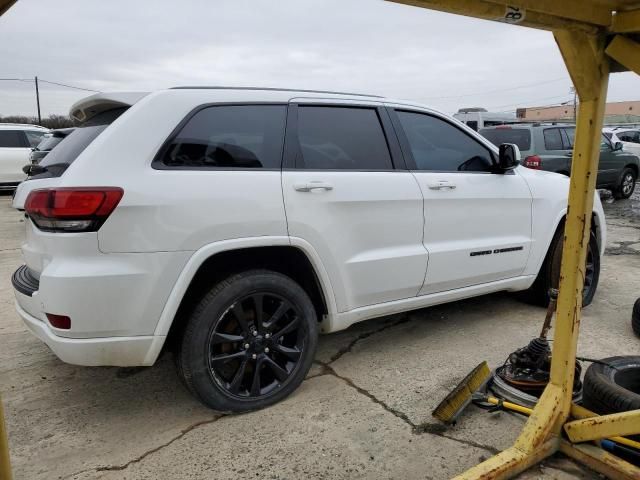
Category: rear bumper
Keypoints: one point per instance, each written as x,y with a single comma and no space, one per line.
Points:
111,351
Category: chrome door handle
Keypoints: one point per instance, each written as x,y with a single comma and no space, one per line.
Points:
442,185
310,186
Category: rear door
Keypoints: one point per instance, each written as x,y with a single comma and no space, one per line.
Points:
555,151
14,154
348,196
477,223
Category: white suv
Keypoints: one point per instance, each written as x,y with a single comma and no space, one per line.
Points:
233,225
16,142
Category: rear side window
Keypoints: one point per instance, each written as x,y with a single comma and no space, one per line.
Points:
472,124
520,136
70,148
341,138
234,136
437,145
11,139
552,139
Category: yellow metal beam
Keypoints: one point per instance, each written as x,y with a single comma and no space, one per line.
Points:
594,14
509,463
5,464
578,412
5,5
626,21
596,428
589,69
492,11
626,52
600,461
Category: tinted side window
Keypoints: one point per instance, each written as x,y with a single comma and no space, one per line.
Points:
519,136
11,139
234,136
473,124
552,139
438,145
341,138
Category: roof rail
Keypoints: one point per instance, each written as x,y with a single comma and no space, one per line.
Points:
197,87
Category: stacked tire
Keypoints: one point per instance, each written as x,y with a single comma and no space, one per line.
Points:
613,385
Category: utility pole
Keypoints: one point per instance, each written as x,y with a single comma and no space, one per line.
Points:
38,102
575,103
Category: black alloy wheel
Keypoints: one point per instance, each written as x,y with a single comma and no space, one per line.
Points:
249,343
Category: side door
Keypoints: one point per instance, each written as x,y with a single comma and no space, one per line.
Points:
611,162
348,195
14,154
477,223
557,154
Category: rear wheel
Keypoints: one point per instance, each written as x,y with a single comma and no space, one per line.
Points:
249,343
627,184
549,275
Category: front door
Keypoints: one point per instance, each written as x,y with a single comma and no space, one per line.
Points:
345,197
477,223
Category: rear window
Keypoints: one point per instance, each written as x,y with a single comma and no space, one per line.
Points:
520,136
48,143
73,145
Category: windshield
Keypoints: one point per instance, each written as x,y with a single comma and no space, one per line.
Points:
70,148
520,136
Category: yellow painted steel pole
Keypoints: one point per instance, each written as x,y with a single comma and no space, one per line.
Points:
5,464
588,67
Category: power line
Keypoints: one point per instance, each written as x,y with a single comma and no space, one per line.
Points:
529,102
500,90
50,82
68,86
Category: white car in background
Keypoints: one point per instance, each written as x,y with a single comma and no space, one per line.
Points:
16,142
234,225
629,137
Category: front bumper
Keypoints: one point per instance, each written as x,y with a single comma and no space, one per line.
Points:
104,351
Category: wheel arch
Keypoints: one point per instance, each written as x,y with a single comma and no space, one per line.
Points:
214,262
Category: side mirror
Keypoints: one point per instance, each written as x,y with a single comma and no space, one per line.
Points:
617,146
509,157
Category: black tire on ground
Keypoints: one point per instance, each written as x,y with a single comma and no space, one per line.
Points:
627,184
635,317
249,343
611,390
549,274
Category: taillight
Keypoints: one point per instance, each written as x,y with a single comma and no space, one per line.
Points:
72,209
533,161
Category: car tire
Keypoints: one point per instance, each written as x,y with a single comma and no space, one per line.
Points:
627,184
612,388
258,321
635,317
549,274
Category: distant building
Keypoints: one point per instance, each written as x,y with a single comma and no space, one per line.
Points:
616,112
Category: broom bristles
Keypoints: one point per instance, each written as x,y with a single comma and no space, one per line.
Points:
453,404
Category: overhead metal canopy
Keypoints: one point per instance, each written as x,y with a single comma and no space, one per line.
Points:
595,37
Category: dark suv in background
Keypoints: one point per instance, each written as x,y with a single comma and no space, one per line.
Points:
549,147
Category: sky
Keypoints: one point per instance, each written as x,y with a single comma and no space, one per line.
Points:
364,46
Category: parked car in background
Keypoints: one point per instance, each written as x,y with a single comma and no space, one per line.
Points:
47,143
246,221
16,142
550,147
630,138
479,118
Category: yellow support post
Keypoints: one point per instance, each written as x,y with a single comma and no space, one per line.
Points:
5,464
596,428
626,52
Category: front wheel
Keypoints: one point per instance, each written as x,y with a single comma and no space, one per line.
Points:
549,275
249,343
627,184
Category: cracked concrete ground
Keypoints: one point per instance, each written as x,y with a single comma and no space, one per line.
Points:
363,412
